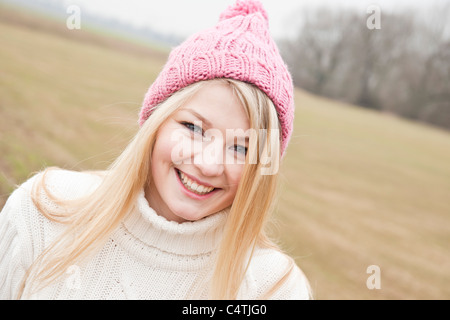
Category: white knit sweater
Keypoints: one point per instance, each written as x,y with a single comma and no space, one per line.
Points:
147,257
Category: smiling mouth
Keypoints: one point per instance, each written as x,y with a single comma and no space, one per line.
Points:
193,186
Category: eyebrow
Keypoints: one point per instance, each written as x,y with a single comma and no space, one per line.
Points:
206,121
198,115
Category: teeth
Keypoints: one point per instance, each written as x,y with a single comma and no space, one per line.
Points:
193,186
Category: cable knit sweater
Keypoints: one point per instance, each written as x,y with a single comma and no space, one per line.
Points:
147,257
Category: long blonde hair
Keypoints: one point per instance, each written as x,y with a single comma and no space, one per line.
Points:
91,220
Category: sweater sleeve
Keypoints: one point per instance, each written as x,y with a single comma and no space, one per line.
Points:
296,287
14,260
25,232
274,275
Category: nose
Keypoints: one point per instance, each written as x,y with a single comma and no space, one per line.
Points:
210,159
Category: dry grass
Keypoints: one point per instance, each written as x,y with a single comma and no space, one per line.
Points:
66,100
358,187
363,188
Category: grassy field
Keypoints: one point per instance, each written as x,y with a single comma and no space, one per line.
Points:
359,188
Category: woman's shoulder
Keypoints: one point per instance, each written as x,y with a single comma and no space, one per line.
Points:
66,184
275,275
24,230
55,184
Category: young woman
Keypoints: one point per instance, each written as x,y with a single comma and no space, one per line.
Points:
181,214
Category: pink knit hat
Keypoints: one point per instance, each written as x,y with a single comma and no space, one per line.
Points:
239,47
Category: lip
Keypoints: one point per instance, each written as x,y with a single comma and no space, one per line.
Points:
191,194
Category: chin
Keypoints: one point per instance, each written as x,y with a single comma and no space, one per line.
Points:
185,215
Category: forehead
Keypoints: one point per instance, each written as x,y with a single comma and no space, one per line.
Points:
217,106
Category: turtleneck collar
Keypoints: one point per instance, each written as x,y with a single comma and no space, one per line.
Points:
186,239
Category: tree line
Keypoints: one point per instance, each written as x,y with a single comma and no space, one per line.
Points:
401,68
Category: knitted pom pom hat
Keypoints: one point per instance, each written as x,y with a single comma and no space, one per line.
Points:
239,47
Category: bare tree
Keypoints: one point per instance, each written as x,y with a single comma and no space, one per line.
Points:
402,68
316,53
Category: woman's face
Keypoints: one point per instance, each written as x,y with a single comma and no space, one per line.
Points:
199,154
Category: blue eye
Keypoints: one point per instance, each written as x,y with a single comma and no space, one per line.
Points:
192,127
240,149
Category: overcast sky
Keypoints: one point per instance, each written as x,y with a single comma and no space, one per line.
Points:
184,17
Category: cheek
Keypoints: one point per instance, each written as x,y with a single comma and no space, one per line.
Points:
233,178
234,175
178,146
161,153
165,144
160,165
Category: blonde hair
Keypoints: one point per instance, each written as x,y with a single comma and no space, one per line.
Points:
92,219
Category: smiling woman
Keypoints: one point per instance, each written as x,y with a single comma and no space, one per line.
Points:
160,224
196,187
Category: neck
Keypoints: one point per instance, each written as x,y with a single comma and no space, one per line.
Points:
186,238
159,206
